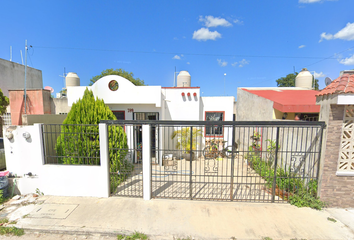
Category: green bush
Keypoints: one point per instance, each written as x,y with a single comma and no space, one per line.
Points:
79,142
298,193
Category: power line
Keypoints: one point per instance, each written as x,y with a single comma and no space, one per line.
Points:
178,53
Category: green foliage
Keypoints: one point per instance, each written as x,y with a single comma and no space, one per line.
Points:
38,192
4,102
79,143
293,188
184,138
11,231
289,81
134,236
331,219
119,72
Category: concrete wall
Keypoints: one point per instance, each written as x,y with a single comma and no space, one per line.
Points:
38,102
60,105
43,118
12,77
26,155
250,107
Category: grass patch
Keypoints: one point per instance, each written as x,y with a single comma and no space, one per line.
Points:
267,238
331,219
133,236
11,231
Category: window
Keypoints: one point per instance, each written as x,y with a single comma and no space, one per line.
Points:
120,115
216,130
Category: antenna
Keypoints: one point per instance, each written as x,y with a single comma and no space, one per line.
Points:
328,81
64,75
26,49
21,56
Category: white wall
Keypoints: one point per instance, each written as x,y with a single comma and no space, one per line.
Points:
178,107
25,155
127,92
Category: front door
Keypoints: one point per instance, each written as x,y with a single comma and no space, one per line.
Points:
154,132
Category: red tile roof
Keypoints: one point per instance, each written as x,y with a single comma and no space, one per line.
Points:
341,85
297,101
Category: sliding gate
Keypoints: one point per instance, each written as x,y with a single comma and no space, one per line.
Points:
234,161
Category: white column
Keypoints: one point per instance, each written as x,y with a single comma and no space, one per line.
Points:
146,154
104,156
39,126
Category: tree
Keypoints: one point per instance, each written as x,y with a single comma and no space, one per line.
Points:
79,144
119,72
4,102
289,81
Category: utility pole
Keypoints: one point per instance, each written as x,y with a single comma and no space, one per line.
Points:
224,83
25,77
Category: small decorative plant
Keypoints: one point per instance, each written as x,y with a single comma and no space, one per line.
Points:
184,138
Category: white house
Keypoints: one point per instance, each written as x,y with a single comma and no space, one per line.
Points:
130,102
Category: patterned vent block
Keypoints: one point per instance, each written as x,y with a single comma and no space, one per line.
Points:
346,152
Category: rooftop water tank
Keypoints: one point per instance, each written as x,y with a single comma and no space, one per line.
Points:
304,79
183,79
72,80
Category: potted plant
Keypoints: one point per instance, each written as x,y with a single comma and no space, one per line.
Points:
184,140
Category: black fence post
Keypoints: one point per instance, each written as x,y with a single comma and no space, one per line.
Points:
233,153
190,163
275,165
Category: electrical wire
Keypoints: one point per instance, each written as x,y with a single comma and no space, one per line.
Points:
178,53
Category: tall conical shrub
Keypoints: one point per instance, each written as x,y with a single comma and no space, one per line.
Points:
79,143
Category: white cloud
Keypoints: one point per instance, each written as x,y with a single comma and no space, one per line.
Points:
182,55
188,62
204,34
302,46
210,21
239,22
176,57
319,75
309,1
234,64
221,63
348,61
175,38
347,33
243,62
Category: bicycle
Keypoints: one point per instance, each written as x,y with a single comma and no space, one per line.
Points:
212,151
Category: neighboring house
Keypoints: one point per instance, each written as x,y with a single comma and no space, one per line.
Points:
276,103
337,161
12,77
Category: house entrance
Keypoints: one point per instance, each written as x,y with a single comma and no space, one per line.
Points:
244,161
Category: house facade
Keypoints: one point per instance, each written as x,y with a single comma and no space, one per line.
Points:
181,103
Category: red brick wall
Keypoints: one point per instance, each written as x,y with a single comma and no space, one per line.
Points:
337,191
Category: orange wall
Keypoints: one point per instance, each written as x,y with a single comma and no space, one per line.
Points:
38,102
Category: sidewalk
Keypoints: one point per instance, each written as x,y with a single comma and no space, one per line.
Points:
169,219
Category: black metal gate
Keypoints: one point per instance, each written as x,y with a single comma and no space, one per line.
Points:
234,161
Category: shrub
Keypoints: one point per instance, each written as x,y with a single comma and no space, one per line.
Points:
79,143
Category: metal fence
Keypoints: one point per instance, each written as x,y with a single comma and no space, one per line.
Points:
125,149
71,144
227,161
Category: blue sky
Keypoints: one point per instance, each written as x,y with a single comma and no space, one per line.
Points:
253,42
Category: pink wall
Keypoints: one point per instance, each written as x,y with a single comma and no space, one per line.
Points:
38,102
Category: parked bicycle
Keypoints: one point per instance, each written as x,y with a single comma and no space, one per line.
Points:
213,151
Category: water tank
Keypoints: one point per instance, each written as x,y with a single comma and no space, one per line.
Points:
183,79
72,80
304,79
